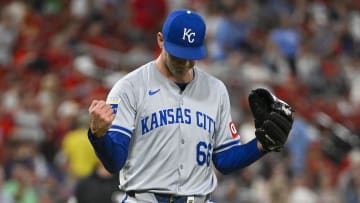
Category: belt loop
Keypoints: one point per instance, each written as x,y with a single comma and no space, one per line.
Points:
171,199
190,199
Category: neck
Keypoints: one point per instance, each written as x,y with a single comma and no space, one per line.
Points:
186,77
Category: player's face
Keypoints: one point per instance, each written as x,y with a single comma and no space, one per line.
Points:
177,66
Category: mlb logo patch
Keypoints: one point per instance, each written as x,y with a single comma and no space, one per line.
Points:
114,107
233,130
114,103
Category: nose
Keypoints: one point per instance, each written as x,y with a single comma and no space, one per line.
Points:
190,63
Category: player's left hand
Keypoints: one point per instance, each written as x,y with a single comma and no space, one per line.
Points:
273,119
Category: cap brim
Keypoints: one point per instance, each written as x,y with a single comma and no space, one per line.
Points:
189,53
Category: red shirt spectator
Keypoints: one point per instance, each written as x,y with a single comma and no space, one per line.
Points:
147,14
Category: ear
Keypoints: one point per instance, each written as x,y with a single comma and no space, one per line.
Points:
160,40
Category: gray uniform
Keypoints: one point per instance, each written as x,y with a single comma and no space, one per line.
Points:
173,134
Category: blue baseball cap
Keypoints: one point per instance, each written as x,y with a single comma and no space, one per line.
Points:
184,35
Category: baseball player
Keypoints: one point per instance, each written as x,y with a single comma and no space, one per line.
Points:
167,125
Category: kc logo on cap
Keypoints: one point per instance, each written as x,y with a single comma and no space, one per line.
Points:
184,35
190,35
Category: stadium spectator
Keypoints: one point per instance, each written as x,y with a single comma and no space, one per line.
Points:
20,185
99,186
79,157
4,197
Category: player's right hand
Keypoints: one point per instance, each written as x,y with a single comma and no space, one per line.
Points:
101,117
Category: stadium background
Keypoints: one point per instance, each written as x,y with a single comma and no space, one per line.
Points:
56,56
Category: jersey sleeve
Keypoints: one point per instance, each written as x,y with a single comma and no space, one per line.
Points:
112,148
122,100
229,154
226,133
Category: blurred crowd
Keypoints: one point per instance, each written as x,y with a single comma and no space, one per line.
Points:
58,55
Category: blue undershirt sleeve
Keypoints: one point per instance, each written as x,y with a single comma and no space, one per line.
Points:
111,149
237,157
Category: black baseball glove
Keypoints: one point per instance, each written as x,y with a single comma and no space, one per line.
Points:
273,119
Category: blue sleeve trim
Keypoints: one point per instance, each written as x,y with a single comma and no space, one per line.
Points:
237,157
111,149
229,144
121,130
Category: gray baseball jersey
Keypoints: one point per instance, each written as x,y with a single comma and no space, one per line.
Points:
173,133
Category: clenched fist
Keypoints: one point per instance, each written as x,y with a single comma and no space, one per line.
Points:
101,116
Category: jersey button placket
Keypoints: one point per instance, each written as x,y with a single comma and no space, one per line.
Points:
182,140
181,167
181,147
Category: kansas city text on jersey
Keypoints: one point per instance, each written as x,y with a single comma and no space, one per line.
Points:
174,116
